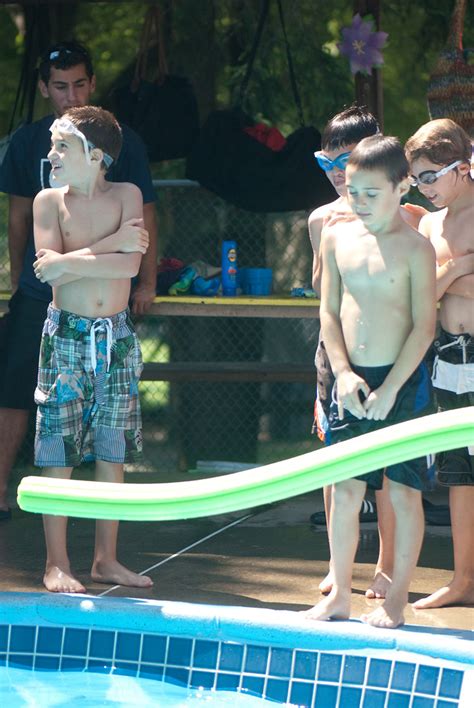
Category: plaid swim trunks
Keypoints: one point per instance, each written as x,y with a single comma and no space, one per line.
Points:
87,392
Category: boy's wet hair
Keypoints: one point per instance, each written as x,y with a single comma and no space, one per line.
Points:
64,55
440,141
350,126
384,153
100,128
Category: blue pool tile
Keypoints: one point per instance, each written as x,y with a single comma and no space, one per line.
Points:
179,651
75,642
102,644
252,684
427,679
3,637
22,639
446,704
177,675
227,682
125,668
49,640
398,700
205,654
21,661
451,682
231,657
99,666
422,702
72,664
326,696
3,659
153,649
379,673
374,699
128,647
202,678
302,693
329,667
305,664
354,669
256,659
280,662
151,671
350,697
277,690
47,663
403,676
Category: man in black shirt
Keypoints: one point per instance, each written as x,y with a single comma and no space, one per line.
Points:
67,80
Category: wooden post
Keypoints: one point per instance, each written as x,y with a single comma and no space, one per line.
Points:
368,89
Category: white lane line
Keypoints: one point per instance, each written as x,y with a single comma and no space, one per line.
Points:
182,550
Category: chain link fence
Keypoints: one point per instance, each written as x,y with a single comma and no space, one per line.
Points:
196,418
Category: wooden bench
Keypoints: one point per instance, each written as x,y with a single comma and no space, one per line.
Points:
225,371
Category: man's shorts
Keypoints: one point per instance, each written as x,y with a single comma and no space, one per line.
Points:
414,399
453,381
87,392
20,337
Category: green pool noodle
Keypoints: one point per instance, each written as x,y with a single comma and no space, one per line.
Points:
261,485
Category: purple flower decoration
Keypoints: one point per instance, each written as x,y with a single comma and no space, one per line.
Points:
362,45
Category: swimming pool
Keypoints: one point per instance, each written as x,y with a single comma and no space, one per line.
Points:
274,654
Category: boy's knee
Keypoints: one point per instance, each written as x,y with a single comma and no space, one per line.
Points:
348,493
401,494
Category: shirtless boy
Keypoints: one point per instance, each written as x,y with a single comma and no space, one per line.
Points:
339,138
89,238
376,270
439,154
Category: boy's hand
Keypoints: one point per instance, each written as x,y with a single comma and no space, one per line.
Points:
414,213
380,402
348,386
48,265
132,237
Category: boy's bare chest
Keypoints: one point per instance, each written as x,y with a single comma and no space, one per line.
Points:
84,223
452,237
368,264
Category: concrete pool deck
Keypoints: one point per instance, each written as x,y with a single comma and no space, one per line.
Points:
269,557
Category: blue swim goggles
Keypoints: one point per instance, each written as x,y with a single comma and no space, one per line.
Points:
327,165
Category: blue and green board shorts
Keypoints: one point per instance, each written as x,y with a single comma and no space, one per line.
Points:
87,391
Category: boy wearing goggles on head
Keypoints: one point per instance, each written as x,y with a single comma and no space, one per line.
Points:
440,154
340,136
90,360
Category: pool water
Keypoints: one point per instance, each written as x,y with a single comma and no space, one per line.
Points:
69,649
92,690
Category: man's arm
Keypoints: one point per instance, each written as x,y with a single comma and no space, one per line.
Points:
422,265
348,383
19,226
144,291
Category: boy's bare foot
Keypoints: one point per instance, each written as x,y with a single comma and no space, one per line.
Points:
386,616
325,586
114,573
454,594
378,587
336,606
57,580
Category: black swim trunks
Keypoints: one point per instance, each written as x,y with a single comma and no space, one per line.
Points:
414,399
453,381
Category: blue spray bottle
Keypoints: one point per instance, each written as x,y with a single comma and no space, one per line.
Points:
229,268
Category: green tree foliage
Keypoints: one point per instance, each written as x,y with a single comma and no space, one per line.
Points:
209,41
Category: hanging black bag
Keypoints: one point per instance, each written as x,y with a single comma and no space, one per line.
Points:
162,111
228,161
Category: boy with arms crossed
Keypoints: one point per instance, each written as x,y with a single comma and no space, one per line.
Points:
439,154
376,267
90,361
